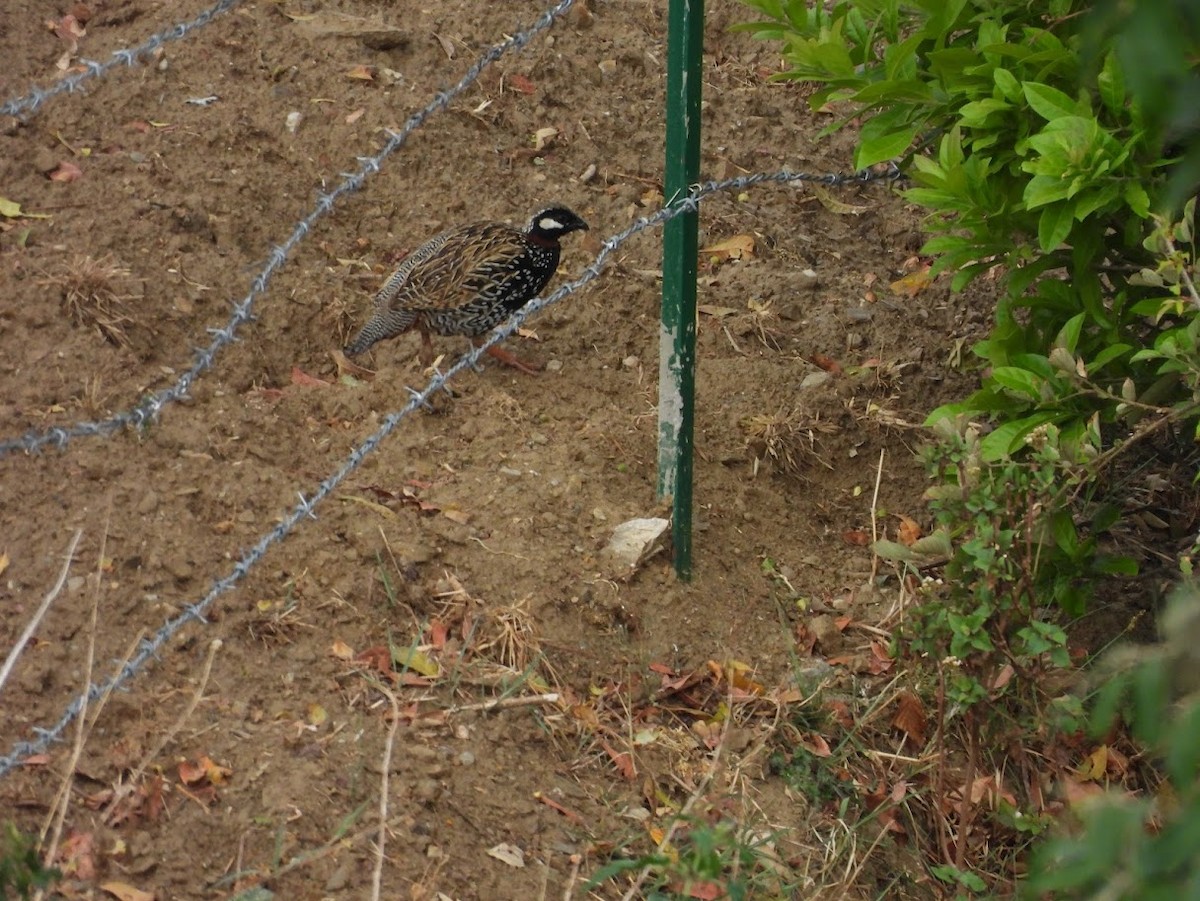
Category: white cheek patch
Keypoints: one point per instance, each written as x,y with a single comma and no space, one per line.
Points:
550,224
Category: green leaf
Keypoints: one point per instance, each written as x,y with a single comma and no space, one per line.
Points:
1045,189
1051,103
885,147
1009,437
1054,225
1137,199
1007,84
1020,380
975,114
1065,535
1068,335
1116,566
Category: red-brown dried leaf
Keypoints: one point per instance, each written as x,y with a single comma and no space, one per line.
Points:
378,658
856,537
910,718
622,760
816,745
300,377
66,172
806,639
909,531
77,856
521,84
829,364
840,711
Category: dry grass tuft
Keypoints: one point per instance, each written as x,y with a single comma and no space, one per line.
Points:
96,293
788,439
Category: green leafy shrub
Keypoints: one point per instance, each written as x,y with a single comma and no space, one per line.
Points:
21,870
1136,847
1039,163
1030,172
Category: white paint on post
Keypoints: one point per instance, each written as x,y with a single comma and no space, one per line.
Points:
670,412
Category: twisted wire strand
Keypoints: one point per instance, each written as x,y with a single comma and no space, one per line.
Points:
150,647
127,57
149,408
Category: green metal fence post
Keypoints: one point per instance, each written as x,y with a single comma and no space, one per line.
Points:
677,335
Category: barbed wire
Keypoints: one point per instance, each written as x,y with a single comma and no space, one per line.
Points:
149,408
130,55
150,647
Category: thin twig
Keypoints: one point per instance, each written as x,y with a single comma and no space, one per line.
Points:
11,660
874,510
123,791
63,800
573,877
502,703
377,876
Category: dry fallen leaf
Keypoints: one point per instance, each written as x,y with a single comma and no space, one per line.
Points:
910,718
544,137
1095,765
353,117
909,531
509,854
834,205
341,650
521,84
416,661
123,892
3,562
912,284
827,363
66,172
738,247
300,377
716,312
361,73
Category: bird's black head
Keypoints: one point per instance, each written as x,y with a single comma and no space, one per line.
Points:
554,222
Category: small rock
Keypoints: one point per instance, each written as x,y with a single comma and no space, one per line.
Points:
427,790
45,160
815,380
589,173
637,540
809,279
293,120
607,67
554,366
148,504
828,635
854,341
339,878
75,583
466,758
630,362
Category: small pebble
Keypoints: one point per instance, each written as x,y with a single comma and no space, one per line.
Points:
588,174
293,121
466,758
554,366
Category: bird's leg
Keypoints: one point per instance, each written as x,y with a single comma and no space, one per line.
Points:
510,359
425,355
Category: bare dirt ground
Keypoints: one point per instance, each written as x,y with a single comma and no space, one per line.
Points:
474,534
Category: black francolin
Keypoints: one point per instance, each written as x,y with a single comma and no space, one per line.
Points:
467,281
